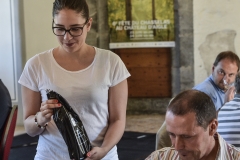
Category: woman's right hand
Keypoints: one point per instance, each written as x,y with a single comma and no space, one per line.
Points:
46,111
32,105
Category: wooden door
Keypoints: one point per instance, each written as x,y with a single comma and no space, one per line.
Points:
150,70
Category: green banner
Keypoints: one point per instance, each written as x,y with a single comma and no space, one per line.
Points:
141,23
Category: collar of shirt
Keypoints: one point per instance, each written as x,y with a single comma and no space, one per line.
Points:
211,77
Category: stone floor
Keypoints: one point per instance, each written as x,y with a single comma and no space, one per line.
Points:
136,123
144,123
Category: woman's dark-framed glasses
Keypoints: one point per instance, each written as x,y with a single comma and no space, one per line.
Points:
74,31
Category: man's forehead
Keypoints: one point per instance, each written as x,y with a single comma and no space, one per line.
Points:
227,61
181,123
171,115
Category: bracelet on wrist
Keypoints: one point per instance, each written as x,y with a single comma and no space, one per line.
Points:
36,122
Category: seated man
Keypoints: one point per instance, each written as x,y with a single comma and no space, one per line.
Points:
191,122
5,105
229,118
218,85
224,69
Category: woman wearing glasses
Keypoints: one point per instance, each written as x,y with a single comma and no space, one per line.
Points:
92,80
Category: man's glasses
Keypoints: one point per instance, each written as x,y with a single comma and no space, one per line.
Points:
74,32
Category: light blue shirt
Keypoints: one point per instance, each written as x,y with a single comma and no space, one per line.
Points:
213,91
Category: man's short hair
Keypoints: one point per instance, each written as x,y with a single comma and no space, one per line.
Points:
227,55
194,101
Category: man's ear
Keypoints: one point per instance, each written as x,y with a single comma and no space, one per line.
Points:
213,67
213,127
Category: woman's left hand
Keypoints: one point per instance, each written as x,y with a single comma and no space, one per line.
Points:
117,119
96,153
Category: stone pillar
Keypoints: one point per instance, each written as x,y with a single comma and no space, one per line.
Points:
183,57
92,37
103,29
99,33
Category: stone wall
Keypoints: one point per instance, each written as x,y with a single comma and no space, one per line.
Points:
216,29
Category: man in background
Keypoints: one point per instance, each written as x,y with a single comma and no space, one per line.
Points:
191,122
219,85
